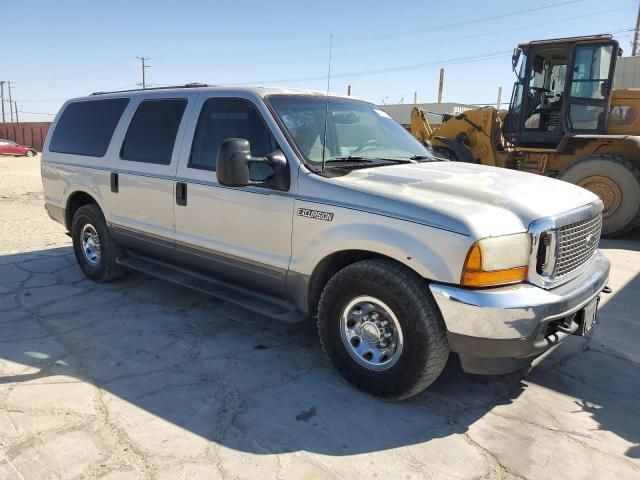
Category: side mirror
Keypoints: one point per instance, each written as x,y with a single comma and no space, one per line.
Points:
515,58
234,161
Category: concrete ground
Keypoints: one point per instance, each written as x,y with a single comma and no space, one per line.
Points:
143,379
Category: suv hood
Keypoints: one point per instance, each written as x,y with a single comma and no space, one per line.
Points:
481,201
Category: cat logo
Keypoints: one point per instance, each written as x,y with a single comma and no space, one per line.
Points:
315,214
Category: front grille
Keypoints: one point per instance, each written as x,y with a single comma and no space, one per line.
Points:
575,244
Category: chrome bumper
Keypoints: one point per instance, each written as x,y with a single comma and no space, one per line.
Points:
511,321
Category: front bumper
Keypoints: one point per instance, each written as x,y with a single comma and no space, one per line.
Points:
499,330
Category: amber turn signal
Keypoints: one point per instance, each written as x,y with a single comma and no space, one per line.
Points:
473,274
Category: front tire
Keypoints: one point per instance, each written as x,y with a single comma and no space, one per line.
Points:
30,153
93,246
380,328
617,182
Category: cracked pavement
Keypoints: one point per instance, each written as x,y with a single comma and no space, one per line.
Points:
143,379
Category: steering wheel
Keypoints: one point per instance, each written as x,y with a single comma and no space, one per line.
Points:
369,143
540,90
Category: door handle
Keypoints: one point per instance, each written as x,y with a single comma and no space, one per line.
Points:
181,193
114,182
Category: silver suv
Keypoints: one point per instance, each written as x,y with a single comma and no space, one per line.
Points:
296,205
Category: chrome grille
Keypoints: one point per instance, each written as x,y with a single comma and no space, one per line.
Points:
575,244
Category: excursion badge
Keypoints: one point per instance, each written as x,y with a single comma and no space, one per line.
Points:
315,214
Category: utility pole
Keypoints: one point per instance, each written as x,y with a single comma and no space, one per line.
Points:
415,98
441,85
144,67
2,82
499,102
10,109
15,104
634,48
349,90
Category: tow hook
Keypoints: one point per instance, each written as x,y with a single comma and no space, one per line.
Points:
607,289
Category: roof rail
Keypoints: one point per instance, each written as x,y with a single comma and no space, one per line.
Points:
186,85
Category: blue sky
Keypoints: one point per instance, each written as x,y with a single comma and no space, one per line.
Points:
54,50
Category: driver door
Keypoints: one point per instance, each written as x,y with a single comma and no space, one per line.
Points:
543,101
243,234
590,86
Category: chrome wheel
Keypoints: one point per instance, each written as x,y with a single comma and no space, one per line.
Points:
371,333
90,244
30,153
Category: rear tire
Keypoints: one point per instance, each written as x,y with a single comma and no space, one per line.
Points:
93,246
617,182
383,293
30,153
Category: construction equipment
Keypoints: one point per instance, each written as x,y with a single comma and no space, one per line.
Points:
565,120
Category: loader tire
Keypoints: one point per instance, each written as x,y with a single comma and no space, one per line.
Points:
617,182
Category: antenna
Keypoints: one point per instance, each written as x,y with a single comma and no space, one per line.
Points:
326,110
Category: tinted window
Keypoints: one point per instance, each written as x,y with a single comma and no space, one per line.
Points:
86,128
223,118
152,131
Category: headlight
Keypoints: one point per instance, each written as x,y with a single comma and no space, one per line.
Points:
497,261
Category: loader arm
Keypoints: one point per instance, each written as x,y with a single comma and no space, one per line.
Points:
420,127
469,136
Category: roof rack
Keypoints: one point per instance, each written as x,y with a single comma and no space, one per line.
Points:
186,85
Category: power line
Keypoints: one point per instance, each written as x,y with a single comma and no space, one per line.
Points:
95,72
399,68
37,113
363,39
457,24
402,47
253,53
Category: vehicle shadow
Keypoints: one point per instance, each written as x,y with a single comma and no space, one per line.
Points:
630,241
162,353
604,374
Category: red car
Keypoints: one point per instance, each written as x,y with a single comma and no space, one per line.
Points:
8,147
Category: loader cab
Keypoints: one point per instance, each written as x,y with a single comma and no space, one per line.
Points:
563,87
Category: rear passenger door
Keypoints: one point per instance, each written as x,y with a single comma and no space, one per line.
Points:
142,213
240,234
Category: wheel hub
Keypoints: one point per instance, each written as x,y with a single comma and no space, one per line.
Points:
608,191
90,244
371,333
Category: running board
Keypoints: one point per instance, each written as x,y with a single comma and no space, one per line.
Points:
263,304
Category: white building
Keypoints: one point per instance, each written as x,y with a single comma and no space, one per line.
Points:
627,73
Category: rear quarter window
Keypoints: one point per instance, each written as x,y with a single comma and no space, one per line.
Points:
86,128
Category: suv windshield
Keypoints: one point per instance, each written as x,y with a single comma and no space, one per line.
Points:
356,130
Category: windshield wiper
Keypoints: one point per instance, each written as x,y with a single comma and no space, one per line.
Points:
421,157
350,158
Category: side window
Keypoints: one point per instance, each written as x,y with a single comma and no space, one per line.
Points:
86,128
223,118
152,132
591,71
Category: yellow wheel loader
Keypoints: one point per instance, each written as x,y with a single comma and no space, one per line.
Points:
565,120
